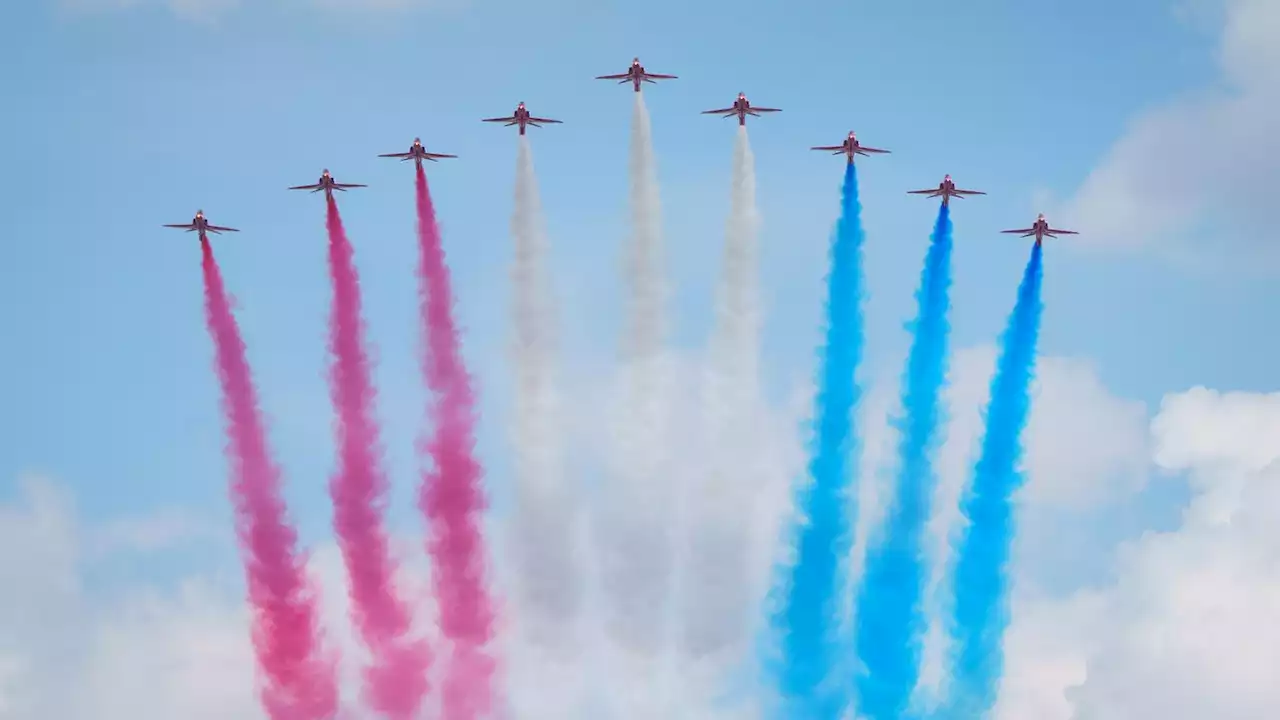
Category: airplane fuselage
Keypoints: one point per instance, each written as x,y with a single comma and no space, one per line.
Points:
947,190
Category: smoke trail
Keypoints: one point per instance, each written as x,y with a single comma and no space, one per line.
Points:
717,590
396,681
451,497
634,530
890,621
544,522
299,682
808,618
981,572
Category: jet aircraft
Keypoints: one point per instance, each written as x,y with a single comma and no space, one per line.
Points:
522,118
201,225
327,185
1041,230
945,190
417,153
635,75
742,108
850,147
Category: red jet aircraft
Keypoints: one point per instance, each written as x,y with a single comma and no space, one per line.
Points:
327,185
1041,230
522,118
636,75
849,148
945,190
742,108
201,225
417,153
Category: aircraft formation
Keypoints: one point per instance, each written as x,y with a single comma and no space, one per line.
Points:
636,75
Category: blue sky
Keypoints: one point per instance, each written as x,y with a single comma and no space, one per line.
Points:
120,120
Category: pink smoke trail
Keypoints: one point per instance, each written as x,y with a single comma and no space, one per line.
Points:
396,680
451,496
300,681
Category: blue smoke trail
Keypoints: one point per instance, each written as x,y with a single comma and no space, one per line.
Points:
809,616
981,578
890,621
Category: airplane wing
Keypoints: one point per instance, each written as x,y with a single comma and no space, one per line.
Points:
864,148
657,76
219,228
507,119
398,155
544,120
183,226
1062,232
1023,231
930,191
833,148
720,111
967,192
433,156
753,108
623,76
306,187
348,185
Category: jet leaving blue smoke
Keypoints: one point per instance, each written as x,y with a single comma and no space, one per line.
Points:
981,578
890,622
808,619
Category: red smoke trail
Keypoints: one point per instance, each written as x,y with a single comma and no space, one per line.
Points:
299,680
396,682
451,497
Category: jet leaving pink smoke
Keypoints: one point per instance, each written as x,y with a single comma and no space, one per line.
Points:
451,496
396,681
299,682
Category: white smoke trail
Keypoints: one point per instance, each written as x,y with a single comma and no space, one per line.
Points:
544,521
719,580
633,526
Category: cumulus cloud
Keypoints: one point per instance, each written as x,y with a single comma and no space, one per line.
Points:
1202,166
1191,627
1086,450
1188,627
158,531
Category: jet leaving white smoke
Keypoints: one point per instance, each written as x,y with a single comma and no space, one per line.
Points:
544,521
719,583
633,523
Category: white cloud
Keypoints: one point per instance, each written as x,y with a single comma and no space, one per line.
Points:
1086,450
1202,167
1188,629
161,530
1191,627
204,11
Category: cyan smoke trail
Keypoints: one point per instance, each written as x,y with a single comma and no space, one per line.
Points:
890,620
981,572
808,619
